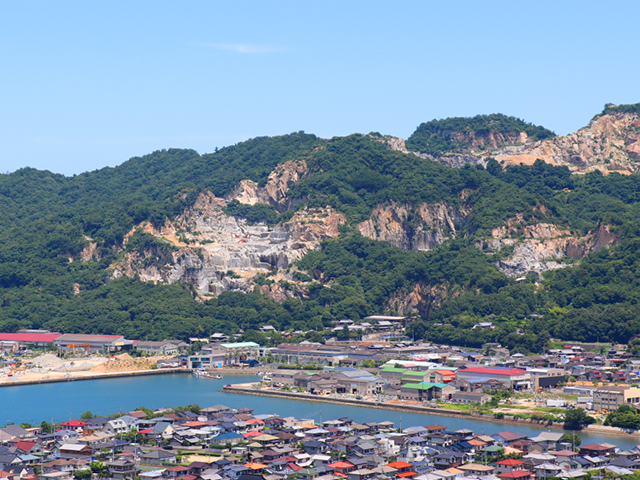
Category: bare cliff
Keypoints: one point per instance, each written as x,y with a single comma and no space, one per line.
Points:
532,248
414,227
275,190
542,247
611,142
216,252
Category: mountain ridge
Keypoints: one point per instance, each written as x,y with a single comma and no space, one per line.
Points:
297,231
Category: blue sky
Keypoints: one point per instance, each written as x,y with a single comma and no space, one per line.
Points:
90,84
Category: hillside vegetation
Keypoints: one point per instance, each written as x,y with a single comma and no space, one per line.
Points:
460,134
48,281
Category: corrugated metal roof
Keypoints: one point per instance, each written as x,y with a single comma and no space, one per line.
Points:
29,337
493,371
73,337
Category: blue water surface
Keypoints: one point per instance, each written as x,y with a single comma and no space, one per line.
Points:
62,401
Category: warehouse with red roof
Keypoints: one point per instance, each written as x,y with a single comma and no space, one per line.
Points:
514,378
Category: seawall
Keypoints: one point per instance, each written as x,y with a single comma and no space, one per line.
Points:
74,377
416,409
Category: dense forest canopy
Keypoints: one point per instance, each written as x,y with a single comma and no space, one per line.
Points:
49,219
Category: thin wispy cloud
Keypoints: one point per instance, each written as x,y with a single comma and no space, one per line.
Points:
246,48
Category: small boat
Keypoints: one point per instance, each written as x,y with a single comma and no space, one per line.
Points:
205,374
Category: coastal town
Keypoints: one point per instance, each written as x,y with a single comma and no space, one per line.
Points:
221,442
384,369
382,366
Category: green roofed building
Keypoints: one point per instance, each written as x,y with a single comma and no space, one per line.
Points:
423,391
393,374
413,376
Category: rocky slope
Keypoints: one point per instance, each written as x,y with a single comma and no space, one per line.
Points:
275,191
611,142
419,227
216,252
541,247
533,248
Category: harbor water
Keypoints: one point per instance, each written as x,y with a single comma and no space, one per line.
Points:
62,401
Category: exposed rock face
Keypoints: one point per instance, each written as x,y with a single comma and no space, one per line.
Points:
491,140
208,244
410,227
90,252
544,247
396,143
459,161
278,293
275,191
610,142
423,299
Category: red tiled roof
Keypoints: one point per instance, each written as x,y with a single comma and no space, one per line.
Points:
564,453
294,467
510,435
435,427
74,423
177,468
515,474
255,466
406,474
594,446
399,465
493,371
193,424
24,445
510,462
340,465
476,443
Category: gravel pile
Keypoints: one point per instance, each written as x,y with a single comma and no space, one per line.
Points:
48,361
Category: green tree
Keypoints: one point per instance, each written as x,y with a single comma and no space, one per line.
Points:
573,439
99,468
576,419
46,427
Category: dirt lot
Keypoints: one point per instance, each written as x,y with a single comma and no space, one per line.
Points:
49,367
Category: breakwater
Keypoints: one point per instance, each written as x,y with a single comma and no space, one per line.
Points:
399,407
77,376
420,409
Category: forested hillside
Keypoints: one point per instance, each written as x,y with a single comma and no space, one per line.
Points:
461,232
461,134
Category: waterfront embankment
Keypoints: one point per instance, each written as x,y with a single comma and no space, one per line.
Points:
399,406
88,375
49,368
78,376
